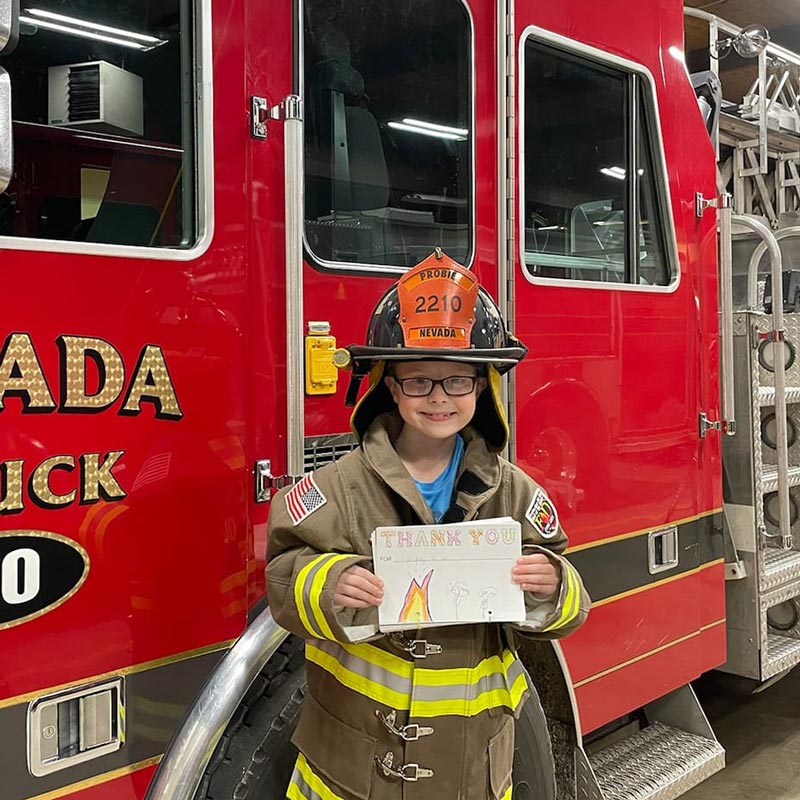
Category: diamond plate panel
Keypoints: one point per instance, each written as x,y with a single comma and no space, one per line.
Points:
766,395
782,653
769,478
781,595
759,378
774,570
586,787
791,324
659,763
779,567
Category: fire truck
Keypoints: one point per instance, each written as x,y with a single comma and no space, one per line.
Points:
202,200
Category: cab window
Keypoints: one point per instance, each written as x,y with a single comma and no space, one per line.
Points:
388,132
594,195
103,124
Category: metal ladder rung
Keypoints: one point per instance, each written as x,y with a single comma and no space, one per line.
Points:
781,653
779,567
769,478
766,395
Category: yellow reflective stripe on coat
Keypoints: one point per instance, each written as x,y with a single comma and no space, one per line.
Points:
571,604
307,591
361,675
317,585
507,793
307,785
299,585
402,685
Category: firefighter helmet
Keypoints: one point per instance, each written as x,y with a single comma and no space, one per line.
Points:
438,312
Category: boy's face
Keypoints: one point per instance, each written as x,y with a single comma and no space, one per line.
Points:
437,415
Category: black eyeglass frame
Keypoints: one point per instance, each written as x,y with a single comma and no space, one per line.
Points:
441,382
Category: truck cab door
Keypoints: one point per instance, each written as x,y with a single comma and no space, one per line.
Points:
608,291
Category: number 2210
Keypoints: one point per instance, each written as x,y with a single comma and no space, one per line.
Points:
431,303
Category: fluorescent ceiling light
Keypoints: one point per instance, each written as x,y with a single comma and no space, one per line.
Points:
432,126
617,172
614,172
52,26
402,126
82,23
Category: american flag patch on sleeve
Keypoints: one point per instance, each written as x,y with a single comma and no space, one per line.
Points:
304,499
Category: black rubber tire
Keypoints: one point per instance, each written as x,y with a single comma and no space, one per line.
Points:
254,758
534,767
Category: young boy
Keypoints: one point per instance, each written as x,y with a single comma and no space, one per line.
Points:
398,716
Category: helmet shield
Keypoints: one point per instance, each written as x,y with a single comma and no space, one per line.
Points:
437,304
437,311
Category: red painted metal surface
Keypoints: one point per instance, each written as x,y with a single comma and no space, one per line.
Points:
607,403
643,622
604,698
154,588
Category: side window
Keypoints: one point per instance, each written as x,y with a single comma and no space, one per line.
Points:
388,131
103,124
593,197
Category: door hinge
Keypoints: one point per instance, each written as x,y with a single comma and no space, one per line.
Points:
707,425
291,107
724,200
266,483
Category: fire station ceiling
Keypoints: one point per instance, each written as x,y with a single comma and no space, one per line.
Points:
780,17
775,14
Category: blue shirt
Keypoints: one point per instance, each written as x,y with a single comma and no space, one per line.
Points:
438,492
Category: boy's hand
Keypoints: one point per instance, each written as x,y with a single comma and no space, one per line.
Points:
358,588
537,574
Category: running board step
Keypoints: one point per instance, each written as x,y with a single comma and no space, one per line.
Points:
676,751
658,762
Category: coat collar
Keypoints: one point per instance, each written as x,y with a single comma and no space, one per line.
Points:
477,480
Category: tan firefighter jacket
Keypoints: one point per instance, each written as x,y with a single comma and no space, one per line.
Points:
394,717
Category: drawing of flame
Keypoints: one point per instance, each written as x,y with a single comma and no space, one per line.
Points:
415,606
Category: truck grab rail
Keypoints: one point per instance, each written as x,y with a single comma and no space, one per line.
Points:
769,242
726,319
295,375
180,771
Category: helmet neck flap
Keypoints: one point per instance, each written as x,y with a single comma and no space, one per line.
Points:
489,419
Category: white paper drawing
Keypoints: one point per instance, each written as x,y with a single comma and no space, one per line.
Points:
448,574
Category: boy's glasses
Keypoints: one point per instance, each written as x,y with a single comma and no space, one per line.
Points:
454,386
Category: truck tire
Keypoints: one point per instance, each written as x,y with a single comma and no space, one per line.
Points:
534,766
254,758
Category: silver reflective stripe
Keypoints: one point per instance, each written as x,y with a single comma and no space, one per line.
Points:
305,790
470,692
384,685
366,669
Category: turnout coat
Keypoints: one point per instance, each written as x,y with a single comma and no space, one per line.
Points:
405,717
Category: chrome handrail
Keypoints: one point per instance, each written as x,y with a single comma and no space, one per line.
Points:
180,771
295,367
769,242
726,319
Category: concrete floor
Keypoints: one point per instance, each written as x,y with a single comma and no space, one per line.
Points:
761,734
